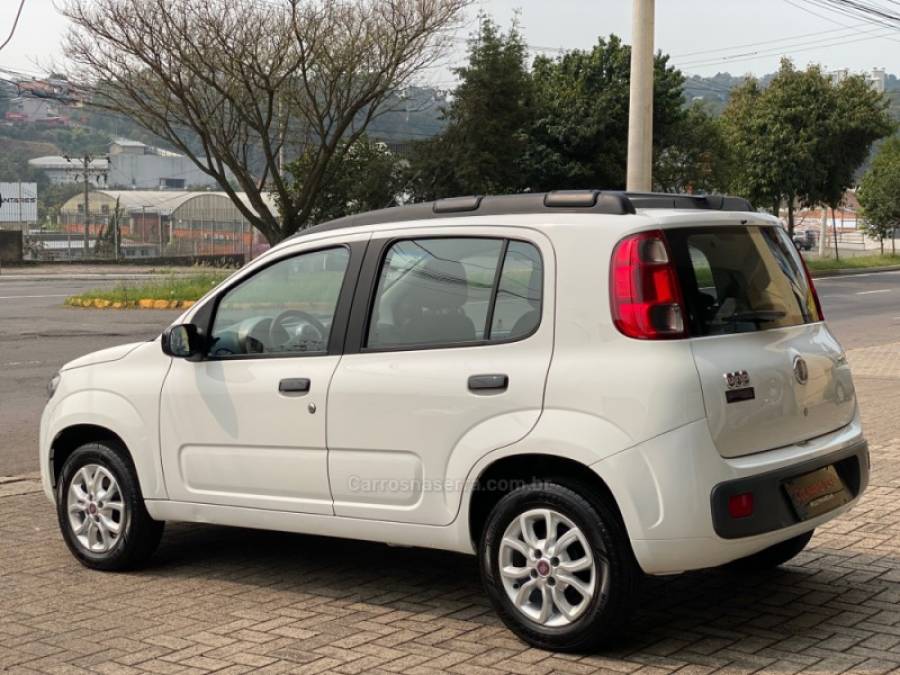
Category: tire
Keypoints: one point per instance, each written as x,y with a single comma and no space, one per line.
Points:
93,472
601,612
772,557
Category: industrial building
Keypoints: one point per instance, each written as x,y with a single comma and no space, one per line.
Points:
130,165
163,222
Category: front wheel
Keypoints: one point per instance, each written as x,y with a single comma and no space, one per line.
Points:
101,509
557,567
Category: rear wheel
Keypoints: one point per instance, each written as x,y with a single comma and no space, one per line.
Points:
101,509
557,568
773,556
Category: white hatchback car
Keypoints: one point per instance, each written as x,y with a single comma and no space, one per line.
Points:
576,386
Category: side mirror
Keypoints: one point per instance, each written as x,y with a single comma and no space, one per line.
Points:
182,341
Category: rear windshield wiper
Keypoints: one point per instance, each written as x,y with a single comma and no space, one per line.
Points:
759,316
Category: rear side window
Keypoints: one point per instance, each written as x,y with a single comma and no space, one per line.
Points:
741,279
455,291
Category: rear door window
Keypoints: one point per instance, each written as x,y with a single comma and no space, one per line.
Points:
452,291
741,279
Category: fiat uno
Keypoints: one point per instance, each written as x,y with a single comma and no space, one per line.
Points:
578,387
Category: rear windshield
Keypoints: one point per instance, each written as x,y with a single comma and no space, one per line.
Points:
741,279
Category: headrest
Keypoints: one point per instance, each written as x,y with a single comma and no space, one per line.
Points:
439,285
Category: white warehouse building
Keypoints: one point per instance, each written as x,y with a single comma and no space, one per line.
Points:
131,165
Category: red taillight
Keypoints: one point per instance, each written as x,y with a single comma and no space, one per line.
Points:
644,292
812,288
740,506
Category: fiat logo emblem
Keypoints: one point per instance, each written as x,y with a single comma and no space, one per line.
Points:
801,370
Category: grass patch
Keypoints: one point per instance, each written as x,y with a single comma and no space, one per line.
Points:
852,262
173,288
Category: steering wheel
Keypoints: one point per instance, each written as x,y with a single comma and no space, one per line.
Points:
311,329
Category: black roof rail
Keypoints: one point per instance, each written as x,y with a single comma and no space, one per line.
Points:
611,202
665,200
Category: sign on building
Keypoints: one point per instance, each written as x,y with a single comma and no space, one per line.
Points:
19,202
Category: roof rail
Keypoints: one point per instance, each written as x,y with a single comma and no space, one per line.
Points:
611,202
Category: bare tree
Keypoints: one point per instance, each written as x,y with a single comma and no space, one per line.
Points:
230,83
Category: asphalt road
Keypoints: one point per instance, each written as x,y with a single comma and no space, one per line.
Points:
38,334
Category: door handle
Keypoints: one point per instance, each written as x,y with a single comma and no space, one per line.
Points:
488,382
294,385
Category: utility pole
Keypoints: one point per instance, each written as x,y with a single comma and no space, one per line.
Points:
87,172
640,111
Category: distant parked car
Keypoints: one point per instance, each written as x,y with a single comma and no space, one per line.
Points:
576,387
805,240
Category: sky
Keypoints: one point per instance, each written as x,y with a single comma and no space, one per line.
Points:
726,33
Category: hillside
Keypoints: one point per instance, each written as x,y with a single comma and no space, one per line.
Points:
715,91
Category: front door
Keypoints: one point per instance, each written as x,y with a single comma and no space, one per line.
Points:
453,345
246,425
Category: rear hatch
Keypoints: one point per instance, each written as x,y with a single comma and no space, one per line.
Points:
771,372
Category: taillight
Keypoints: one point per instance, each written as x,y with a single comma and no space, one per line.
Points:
644,291
812,287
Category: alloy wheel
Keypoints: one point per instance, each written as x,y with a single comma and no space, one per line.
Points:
96,508
548,569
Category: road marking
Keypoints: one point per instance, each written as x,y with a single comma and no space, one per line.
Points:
23,297
21,363
880,290
851,277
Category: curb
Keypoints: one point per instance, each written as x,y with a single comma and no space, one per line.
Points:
850,271
142,303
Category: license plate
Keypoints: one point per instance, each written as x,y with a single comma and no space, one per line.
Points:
817,492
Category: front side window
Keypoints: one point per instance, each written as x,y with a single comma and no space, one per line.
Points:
741,279
286,308
454,291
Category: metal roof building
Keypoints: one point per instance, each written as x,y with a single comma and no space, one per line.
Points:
179,222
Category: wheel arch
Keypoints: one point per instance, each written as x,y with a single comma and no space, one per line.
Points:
506,473
73,437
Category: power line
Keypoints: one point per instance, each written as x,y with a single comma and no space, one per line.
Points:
779,51
15,23
766,42
854,10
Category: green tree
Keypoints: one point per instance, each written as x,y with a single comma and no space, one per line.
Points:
801,139
775,134
859,117
481,147
578,138
364,176
879,193
698,159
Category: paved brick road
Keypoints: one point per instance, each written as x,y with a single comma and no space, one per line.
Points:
233,601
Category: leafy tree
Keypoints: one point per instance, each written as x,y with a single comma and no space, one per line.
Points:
879,193
481,147
859,117
247,78
365,176
698,158
579,135
775,133
801,139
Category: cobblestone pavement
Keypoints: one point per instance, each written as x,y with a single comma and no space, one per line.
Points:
233,601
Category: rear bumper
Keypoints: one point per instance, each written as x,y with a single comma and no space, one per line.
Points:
772,506
671,488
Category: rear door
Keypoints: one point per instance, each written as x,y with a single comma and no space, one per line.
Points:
771,372
446,360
